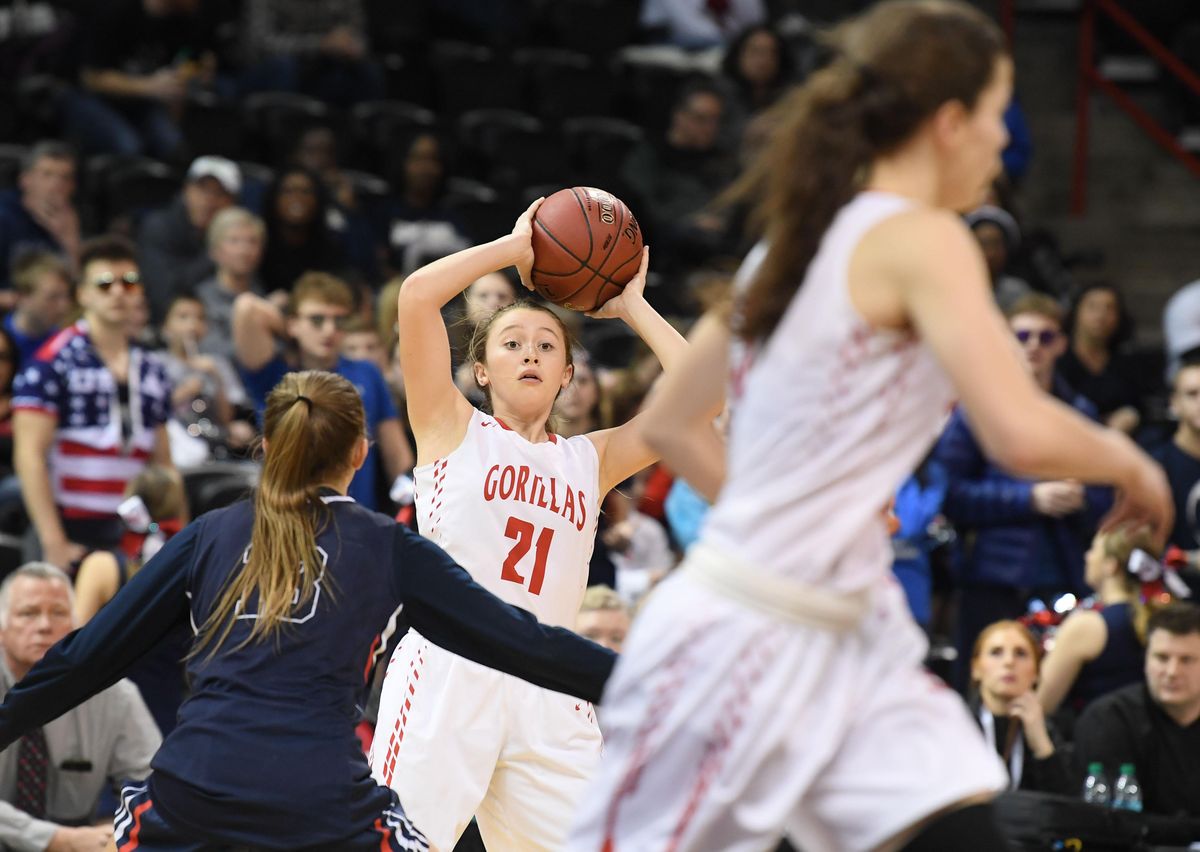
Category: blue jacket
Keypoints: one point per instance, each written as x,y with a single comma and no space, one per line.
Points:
1009,536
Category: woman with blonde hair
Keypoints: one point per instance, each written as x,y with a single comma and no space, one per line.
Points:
1098,650
287,596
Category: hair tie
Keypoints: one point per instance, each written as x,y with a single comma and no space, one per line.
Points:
1143,566
302,398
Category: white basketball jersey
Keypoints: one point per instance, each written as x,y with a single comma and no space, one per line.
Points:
829,417
520,517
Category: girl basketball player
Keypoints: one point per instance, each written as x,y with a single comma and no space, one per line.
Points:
286,597
518,505
773,685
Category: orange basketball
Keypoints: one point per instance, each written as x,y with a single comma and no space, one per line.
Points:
586,247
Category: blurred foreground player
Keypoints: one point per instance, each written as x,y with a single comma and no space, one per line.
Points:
773,684
286,597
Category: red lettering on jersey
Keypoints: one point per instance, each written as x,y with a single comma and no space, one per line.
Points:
568,511
554,503
533,490
522,478
489,483
541,496
582,512
506,482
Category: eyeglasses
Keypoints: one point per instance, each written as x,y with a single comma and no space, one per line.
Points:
130,282
1045,337
319,321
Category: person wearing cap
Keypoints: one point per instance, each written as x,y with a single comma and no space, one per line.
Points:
999,236
172,242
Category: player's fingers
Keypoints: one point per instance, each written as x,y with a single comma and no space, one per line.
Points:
527,216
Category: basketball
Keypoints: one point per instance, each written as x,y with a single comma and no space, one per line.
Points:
586,247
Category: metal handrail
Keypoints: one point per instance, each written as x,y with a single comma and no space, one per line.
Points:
1090,79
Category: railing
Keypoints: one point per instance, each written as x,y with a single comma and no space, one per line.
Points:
1090,79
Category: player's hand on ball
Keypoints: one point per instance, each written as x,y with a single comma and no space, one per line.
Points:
524,229
617,307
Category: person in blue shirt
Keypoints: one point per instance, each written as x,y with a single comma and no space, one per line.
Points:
42,284
318,310
286,597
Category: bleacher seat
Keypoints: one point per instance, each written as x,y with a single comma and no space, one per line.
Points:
509,149
10,164
133,188
217,484
212,126
561,84
597,27
276,119
598,145
469,77
382,130
484,214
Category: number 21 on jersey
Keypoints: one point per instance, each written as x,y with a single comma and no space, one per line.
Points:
523,532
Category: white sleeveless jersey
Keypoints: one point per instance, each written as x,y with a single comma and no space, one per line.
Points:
828,418
520,517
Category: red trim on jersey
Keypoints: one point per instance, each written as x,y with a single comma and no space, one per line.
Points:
54,345
553,438
74,448
93,486
132,842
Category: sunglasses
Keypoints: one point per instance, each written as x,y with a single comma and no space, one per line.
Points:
1045,337
128,282
319,321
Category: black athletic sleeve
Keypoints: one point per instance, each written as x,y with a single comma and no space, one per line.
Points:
450,609
98,654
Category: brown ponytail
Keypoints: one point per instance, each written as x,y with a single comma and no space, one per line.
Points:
312,424
893,67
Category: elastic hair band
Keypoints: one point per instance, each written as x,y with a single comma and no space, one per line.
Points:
302,398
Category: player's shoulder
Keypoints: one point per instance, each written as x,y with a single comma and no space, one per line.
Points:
914,229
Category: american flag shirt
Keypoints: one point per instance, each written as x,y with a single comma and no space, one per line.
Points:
101,443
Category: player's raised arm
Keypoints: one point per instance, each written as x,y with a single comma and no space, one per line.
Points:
438,413
942,284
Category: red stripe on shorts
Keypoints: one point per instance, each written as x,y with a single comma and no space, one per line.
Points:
384,846
132,843
397,735
675,676
741,688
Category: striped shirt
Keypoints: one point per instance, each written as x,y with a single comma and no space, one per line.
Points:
105,436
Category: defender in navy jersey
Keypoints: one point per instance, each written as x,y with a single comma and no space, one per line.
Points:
264,753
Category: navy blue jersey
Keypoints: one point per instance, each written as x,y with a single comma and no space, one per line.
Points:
264,753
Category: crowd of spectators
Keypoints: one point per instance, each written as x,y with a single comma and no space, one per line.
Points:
200,197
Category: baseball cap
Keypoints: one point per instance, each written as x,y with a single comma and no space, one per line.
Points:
225,172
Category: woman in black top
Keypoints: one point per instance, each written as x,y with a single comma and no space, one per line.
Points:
1004,671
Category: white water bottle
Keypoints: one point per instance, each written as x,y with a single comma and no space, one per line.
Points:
1095,787
1127,795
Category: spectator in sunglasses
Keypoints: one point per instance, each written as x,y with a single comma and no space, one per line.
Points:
90,412
1024,539
269,343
